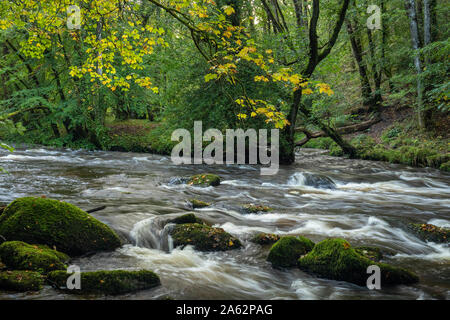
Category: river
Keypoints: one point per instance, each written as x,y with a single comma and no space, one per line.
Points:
370,206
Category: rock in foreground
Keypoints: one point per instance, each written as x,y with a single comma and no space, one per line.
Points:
56,224
203,238
335,259
187,218
18,255
287,250
107,282
20,281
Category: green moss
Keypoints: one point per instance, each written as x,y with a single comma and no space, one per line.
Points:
107,282
187,218
20,281
19,255
445,166
432,233
252,208
287,250
320,143
265,238
197,204
57,224
204,180
335,259
204,238
372,253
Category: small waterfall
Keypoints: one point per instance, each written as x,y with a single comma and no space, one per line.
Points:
311,180
153,233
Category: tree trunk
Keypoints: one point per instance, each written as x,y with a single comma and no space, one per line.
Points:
411,9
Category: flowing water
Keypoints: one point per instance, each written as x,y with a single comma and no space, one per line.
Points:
370,205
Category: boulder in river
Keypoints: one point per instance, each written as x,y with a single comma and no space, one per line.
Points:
107,282
335,259
265,238
287,250
319,181
253,209
372,253
187,218
197,204
203,237
58,224
20,281
19,255
432,233
204,180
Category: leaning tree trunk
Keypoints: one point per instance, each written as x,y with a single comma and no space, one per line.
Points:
411,9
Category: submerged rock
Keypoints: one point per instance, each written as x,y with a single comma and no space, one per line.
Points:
178,180
107,282
197,204
187,218
252,208
57,224
20,281
18,255
432,233
203,238
319,181
204,180
265,238
287,250
335,259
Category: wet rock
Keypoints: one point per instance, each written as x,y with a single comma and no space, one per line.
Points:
319,181
178,180
204,180
57,224
197,204
18,255
20,281
287,250
335,259
371,253
187,218
252,209
107,282
203,238
431,233
265,238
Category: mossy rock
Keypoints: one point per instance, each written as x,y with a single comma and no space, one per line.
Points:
203,238
20,281
204,180
19,255
187,218
265,238
253,209
335,259
107,282
432,233
372,253
287,250
57,224
197,204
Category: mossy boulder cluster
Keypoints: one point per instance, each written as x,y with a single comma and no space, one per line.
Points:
107,282
288,250
204,180
431,233
57,224
47,224
335,259
19,255
203,237
254,209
